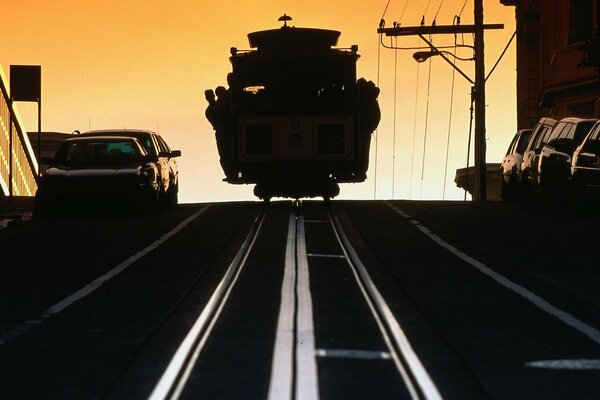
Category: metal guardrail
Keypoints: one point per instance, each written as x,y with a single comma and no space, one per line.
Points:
24,163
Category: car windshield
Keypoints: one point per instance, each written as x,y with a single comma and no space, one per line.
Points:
145,138
99,152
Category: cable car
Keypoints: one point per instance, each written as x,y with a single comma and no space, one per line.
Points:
294,120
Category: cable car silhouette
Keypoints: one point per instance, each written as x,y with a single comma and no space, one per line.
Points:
295,121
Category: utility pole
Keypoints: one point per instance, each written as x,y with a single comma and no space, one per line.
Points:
479,192
480,189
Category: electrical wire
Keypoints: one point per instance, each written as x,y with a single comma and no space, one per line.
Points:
462,9
377,129
437,12
402,14
426,126
449,129
412,157
469,142
519,22
427,8
386,8
394,125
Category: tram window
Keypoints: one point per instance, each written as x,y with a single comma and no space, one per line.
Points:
330,139
259,139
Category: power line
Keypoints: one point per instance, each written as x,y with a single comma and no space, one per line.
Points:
412,157
425,135
394,130
386,8
377,129
449,128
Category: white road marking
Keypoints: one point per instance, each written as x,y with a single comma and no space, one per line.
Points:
295,335
576,364
326,255
565,317
353,354
92,286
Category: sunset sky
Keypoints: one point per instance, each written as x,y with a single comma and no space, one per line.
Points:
146,64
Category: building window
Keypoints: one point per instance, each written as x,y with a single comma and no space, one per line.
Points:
581,20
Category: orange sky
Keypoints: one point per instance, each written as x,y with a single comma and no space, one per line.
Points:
146,64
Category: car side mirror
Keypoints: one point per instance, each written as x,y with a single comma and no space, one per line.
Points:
176,153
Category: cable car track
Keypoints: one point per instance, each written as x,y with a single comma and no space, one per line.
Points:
294,372
175,376
407,362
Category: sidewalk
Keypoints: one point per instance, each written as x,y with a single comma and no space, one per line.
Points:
15,210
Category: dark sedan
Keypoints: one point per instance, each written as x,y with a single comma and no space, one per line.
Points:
155,145
585,169
86,172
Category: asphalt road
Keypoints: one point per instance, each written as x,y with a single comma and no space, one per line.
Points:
497,300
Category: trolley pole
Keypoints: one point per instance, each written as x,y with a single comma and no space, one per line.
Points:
480,186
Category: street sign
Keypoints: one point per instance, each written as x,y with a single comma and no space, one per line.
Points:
25,82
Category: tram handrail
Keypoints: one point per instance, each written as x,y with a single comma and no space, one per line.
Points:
24,163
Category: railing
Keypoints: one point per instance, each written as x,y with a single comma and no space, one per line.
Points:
24,163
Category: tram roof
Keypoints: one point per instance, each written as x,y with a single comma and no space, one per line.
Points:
293,38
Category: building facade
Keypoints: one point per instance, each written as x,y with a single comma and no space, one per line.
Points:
551,79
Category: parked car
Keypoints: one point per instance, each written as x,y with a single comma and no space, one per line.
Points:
529,165
510,169
155,145
554,169
86,172
585,169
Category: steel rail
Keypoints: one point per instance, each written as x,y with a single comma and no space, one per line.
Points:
418,382
175,377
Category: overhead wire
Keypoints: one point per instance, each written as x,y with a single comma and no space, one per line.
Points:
385,9
426,126
437,12
377,129
412,158
519,22
449,121
394,124
462,9
469,142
